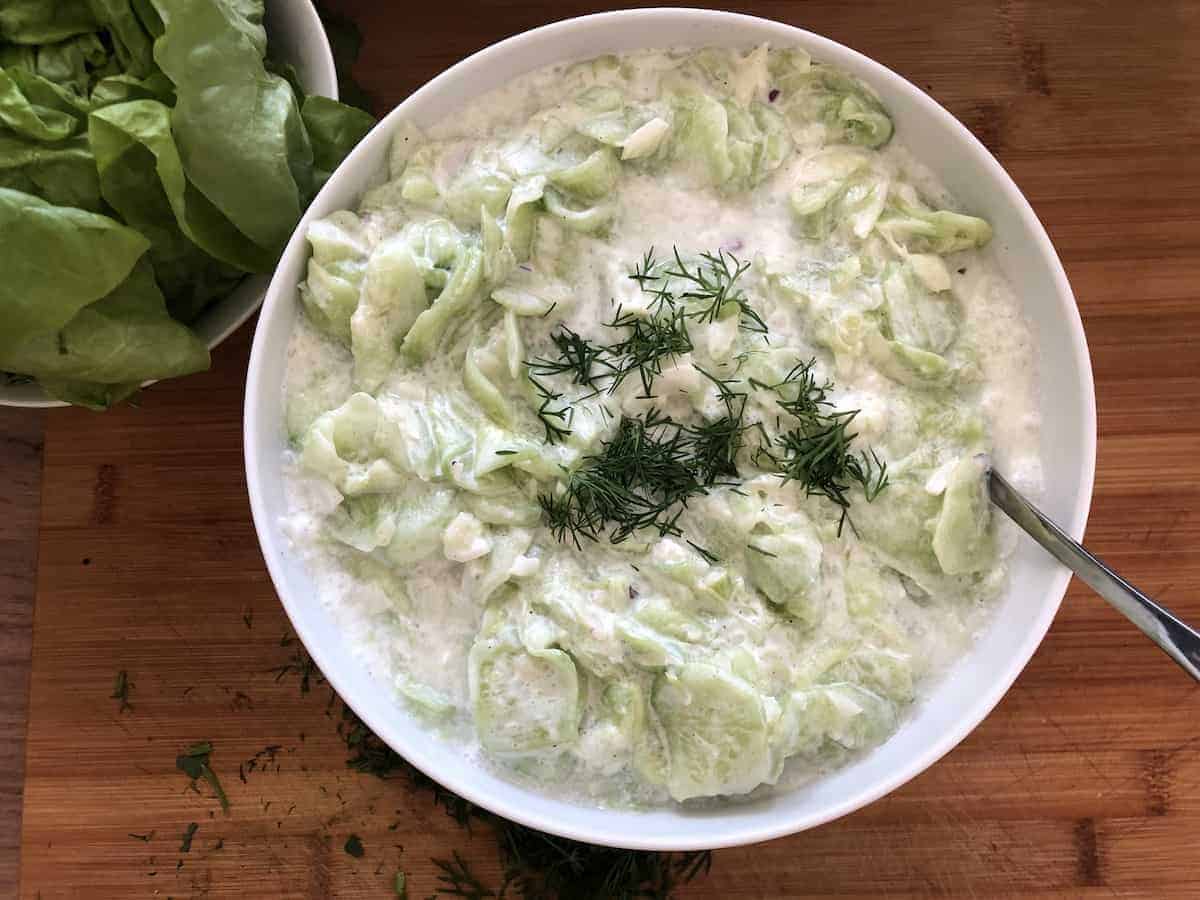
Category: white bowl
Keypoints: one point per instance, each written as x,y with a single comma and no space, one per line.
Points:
956,704
295,35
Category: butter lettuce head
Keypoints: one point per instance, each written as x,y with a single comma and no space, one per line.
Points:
154,132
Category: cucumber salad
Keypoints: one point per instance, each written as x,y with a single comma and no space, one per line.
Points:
637,420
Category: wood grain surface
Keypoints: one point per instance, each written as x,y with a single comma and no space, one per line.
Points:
1085,780
21,463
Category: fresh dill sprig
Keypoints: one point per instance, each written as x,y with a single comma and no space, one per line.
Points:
649,342
716,443
556,422
713,289
652,282
817,452
708,292
642,478
715,447
457,879
799,392
645,475
679,294
709,557
576,357
658,332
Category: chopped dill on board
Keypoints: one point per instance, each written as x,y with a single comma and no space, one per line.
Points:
457,879
300,663
535,865
120,692
194,762
185,845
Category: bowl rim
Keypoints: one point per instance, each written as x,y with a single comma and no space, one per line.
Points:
323,81
735,835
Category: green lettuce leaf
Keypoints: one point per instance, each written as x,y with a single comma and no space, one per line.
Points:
56,260
238,127
19,114
142,178
125,337
123,88
63,173
132,45
45,93
18,56
334,129
88,394
71,63
44,21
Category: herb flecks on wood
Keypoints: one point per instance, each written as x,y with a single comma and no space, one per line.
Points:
300,663
189,833
121,688
194,762
536,866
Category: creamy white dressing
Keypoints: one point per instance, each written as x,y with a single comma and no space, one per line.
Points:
577,631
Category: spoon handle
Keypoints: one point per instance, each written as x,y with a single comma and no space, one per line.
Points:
1180,641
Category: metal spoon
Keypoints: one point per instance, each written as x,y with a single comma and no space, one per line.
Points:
1179,641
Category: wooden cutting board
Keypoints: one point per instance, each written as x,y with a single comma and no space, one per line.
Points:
1085,780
